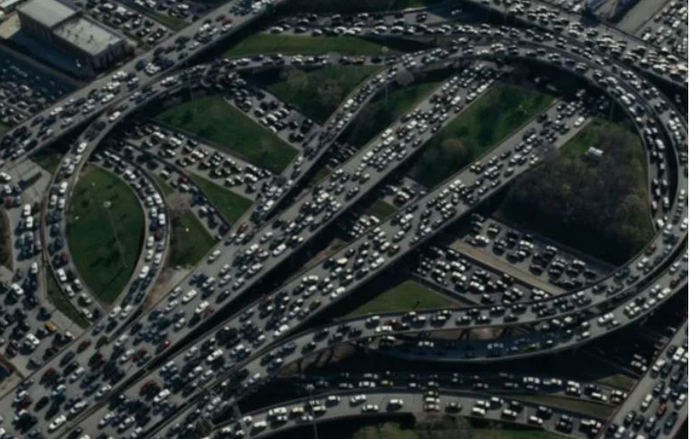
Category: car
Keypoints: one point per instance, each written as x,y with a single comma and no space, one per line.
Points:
56,423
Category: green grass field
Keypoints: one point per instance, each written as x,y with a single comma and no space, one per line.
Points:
380,209
406,296
230,205
172,23
316,93
318,177
189,240
562,194
600,411
214,119
48,158
163,185
105,242
329,6
436,429
61,303
386,108
485,123
306,45
618,380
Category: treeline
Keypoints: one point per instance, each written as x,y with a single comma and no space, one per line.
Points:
600,208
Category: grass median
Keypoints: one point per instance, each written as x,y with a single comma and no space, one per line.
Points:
172,23
189,241
263,43
211,118
490,119
105,230
230,205
48,158
316,93
357,6
380,209
588,408
407,296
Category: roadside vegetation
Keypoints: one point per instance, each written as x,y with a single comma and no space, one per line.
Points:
380,209
105,229
448,428
588,408
330,6
316,93
189,241
601,208
172,23
489,120
407,296
230,205
211,118
318,176
163,185
61,303
619,381
48,158
265,43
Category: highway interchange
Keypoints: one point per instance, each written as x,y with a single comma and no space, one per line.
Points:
244,350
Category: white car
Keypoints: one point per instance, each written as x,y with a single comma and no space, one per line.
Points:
57,422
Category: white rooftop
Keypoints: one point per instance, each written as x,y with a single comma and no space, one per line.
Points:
87,35
47,12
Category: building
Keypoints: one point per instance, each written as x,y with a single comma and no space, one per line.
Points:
8,6
94,46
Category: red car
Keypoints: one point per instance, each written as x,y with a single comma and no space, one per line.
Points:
83,345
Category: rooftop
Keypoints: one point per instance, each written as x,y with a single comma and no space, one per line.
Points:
47,12
87,35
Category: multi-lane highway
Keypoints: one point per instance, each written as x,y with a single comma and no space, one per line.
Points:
120,358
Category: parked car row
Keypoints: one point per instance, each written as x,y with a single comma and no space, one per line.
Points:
129,21
534,255
472,282
25,91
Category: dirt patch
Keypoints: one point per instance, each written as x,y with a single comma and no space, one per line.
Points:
168,278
